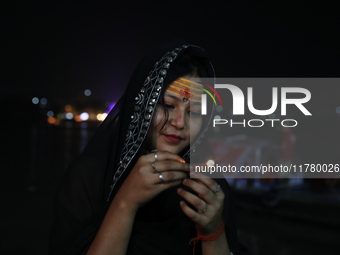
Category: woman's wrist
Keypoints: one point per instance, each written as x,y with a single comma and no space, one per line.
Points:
211,238
124,205
209,230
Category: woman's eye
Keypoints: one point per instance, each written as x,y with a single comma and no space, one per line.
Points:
169,106
194,114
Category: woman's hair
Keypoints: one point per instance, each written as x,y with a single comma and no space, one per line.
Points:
183,66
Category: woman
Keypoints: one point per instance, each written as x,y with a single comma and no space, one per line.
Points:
129,192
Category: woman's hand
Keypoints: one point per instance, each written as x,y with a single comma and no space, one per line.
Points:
208,202
145,181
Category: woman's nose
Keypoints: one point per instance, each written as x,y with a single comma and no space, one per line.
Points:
178,119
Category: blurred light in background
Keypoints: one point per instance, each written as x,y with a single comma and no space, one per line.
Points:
84,116
43,101
35,100
50,114
101,116
60,116
77,118
87,92
69,115
68,108
53,121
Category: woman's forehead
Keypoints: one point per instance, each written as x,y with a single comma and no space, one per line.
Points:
172,95
185,88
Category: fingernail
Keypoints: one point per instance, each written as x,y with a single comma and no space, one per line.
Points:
184,181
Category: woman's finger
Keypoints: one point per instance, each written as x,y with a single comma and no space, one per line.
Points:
163,186
207,217
169,165
208,182
163,155
168,176
193,215
202,190
198,203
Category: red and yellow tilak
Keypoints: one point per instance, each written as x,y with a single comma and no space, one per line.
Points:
187,89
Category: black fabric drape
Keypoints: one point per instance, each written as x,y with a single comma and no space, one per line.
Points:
92,179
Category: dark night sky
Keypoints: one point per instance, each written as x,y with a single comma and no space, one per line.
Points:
56,50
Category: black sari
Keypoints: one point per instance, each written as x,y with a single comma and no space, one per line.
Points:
93,179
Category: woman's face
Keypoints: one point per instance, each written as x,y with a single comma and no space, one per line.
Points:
183,124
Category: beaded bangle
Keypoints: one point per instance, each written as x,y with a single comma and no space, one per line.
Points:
210,237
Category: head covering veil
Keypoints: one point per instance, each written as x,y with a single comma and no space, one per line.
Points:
95,176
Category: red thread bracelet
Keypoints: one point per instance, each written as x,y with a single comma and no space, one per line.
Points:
210,237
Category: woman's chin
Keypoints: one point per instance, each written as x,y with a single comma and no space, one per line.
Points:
168,149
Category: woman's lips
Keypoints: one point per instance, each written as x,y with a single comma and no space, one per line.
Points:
173,138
